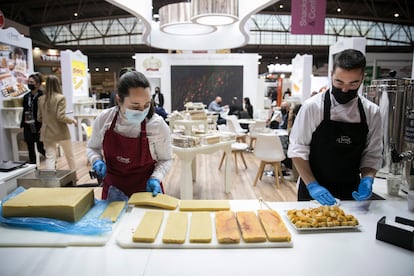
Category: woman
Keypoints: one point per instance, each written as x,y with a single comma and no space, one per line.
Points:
248,107
30,123
52,108
133,140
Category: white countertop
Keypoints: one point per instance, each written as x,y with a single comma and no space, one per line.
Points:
329,252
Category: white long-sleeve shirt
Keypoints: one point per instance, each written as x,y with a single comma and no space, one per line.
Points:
158,134
311,115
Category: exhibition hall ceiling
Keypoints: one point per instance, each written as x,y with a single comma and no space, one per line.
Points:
43,13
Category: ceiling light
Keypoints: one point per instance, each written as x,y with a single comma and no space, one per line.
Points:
281,6
215,12
338,10
175,19
106,69
396,15
97,69
75,14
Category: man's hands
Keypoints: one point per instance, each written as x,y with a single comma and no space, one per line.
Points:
321,194
364,189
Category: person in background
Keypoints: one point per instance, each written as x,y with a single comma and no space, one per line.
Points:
215,106
273,94
278,117
336,140
130,146
29,122
235,107
247,107
284,110
158,97
52,115
287,94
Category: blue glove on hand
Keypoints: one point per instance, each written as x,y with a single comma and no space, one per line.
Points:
99,167
364,189
154,186
321,194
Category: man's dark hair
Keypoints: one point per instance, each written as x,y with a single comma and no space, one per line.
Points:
133,79
37,77
349,59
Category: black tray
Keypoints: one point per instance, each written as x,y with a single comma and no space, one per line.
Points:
7,166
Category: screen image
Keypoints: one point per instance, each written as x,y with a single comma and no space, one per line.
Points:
204,83
13,70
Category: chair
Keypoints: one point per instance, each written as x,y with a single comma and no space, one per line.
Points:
270,151
255,129
234,126
236,148
86,131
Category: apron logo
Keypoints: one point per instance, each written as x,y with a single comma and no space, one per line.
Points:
123,160
344,140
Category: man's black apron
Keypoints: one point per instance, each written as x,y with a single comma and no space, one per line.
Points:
335,154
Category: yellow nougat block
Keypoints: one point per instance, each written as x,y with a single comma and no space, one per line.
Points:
69,204
274,226
113,210
146,199
200,227
176,228
149,226
204,205
227,230
250,227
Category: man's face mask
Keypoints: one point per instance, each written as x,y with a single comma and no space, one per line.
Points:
344,97
283,110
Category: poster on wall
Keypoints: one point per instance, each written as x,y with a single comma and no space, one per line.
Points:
74,67
204,83
15,63
79,78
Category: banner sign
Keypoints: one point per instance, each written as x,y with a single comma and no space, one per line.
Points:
308,16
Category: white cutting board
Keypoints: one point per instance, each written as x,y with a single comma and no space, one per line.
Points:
12,237
133,218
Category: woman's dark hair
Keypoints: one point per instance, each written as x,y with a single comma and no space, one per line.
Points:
247,100
133,79
37,77
349,59
126,70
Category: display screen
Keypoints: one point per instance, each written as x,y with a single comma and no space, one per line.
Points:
204,83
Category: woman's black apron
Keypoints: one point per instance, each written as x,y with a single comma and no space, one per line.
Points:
335,154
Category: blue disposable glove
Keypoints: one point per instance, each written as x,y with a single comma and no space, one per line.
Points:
321,194
364,189
154,186
99,167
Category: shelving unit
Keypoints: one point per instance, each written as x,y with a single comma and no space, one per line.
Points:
11,122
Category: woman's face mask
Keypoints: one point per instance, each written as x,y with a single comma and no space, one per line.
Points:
136,116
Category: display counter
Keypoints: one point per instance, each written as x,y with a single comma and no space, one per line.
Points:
327,252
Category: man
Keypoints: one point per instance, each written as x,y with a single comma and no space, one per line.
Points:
29,122
284,110
215,106
278,118
336,141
